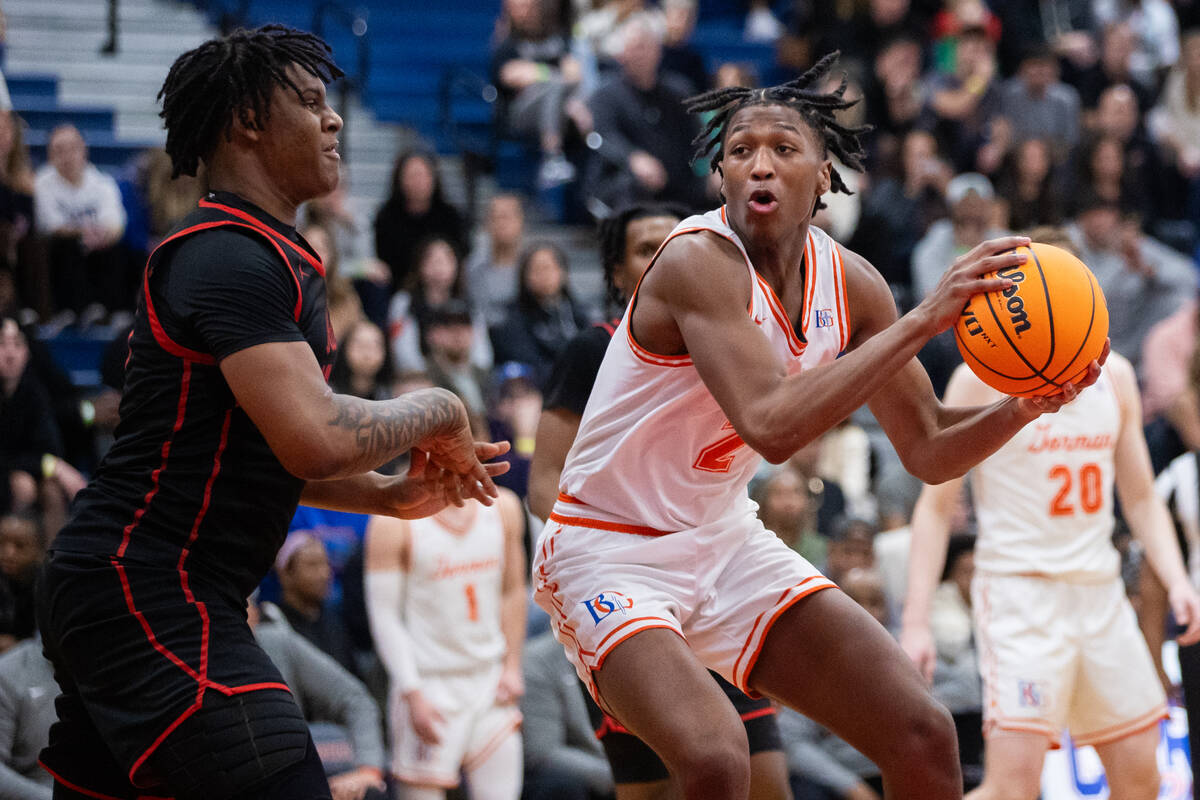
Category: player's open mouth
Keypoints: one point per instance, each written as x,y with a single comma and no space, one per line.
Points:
763,201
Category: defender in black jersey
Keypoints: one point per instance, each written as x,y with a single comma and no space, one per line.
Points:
629,240
226,423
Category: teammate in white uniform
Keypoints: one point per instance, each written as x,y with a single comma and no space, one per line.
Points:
446,597
1058,640
652,564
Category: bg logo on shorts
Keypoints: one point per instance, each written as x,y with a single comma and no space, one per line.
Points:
1028,694
606,604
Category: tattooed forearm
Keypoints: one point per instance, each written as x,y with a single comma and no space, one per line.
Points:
384,430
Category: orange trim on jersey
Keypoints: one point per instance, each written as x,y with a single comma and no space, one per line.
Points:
413,778
742,675
1127,728
618,527
1032,725
843,303
810,282
682,360
566,498
602,655
776,305
657,359
481,755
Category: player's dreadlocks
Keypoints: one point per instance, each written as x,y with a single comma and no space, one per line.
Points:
613,234
236,74
815,106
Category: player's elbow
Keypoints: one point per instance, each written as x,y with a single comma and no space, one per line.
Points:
931,471
312,457
767,442
312,466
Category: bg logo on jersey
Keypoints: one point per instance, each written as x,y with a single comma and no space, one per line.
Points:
823,317
1029,694
605,604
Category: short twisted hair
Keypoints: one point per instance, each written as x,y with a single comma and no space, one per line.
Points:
233,75
816,107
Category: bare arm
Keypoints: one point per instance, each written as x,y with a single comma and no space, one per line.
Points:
555,435
1144,510
930,530
420,493
514,597
319,435
698,294
1152,619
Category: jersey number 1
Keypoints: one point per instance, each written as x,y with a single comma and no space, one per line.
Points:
718,456
1091,490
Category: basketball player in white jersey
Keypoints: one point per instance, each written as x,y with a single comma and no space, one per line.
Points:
1059,645
446,598
653,565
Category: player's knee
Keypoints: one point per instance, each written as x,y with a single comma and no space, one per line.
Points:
717,764
928,743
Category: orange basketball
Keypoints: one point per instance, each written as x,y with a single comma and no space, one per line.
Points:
1041,332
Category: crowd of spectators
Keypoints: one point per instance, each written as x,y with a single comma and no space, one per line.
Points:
1077,119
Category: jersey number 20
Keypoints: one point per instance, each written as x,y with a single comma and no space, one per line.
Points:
1091,490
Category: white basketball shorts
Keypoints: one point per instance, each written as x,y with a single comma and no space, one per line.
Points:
474,726
1056,654
720,587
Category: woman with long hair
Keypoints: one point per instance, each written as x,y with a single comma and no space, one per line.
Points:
415,210
436,281
544,316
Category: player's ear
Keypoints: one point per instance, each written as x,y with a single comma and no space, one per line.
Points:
824,177
245,124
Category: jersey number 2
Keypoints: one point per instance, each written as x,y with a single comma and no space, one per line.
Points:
1091,490
718,456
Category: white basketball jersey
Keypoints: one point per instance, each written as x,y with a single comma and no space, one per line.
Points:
654,450
452,596
1044,501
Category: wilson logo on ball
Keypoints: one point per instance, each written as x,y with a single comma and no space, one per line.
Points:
1014,303
1040,333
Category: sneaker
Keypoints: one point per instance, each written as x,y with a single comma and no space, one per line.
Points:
555,171
762,26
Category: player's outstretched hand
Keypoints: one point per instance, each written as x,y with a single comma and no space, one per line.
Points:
460,455
427,488
917,642
1185,605
1051,403
965,278
354,785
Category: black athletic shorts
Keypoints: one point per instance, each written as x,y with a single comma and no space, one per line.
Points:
160,674
633,761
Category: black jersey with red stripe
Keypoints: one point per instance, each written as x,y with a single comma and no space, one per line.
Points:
190,482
